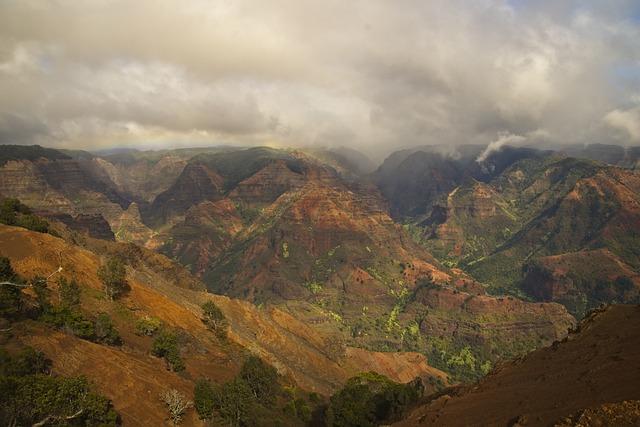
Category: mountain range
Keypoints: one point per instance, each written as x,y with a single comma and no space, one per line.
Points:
441,263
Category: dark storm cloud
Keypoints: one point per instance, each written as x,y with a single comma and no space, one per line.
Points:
374,74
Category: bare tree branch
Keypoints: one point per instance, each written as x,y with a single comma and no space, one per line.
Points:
58,418
17,285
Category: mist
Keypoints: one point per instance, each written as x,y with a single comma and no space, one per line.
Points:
370,75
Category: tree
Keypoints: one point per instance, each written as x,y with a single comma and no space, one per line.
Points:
39,286
113,277
204,398
177,404
166,346
105,331
40,400
69,292
10,294
213,316
261,378
371,399
234,402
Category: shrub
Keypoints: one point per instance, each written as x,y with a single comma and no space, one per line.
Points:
113,277
32,222
298,408
147,326
71,321
204,398
261,378
213,316
10,295
69,292
105,331
166,346
9,208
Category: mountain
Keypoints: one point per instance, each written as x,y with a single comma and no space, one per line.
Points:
587,379
522,228
281,227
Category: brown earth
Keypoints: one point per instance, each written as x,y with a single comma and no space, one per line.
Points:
599,364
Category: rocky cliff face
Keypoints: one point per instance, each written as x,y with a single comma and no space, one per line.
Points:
144,178
62,186
473,221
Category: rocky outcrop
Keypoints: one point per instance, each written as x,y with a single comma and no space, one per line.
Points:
197,183
266,185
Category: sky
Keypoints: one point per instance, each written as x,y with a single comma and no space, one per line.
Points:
374,75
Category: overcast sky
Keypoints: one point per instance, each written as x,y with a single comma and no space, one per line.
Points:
363,73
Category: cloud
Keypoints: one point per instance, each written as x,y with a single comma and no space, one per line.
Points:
627,121
365,73
504,138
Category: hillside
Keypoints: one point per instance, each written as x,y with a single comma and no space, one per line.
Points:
300,353
587,375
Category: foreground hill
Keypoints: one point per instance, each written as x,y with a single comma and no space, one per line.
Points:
584,377
131,377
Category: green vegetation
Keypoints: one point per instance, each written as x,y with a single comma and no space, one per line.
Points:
460,361
261,378
253,398
12,212
147,326
10,295
69,293
204,398
113,277
214,318
71,320
105,331
371,399
29,395
167,346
